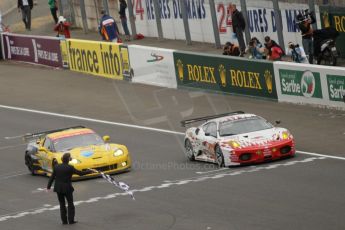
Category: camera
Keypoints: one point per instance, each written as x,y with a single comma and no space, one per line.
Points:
304,16
293,46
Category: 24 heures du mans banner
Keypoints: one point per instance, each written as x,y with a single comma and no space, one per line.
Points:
225,74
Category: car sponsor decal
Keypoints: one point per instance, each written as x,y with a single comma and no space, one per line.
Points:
64,135
87,153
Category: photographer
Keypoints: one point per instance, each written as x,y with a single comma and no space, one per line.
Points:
62,28
273,50
297,53
231,49
255,49
304,23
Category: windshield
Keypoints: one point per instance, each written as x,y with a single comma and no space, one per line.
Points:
67,143
247,125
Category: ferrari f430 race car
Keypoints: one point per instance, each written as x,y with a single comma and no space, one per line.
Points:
87,149
236,138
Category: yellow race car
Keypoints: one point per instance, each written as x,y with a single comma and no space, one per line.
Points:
87,149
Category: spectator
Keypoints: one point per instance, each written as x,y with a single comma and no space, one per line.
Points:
108,28
53,9
63,28
255,49
25,6
123,17
238,26
297,53
273,50
231,49
304,24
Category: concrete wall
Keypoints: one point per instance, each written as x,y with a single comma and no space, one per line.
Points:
93,10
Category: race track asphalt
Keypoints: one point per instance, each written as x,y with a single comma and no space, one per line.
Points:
304,192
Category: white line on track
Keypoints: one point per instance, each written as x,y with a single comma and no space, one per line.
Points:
165,184
89,119
11,146
320,155
11,176
131,126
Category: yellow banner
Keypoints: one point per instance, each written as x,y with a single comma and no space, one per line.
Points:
97,58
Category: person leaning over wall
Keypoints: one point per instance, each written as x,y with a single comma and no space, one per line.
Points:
108,28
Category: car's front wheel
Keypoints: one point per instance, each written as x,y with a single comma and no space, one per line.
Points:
219,156
189,150
29,164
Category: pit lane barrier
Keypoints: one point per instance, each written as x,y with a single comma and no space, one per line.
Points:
310,84
32,49
282,81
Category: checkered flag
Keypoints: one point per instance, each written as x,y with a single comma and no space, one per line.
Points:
121,185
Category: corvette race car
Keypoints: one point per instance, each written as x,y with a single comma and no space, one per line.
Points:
236,138
87,149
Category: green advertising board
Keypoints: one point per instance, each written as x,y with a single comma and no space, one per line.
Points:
335,17
300,83
225,74
336,87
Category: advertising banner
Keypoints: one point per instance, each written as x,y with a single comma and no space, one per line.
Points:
310,84
260,17
225,74
336,87
152,66
104,59
33,49
335,17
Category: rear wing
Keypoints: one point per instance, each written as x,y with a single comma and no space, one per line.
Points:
34,136
206,118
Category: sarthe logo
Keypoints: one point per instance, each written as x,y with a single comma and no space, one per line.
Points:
156,58
308,84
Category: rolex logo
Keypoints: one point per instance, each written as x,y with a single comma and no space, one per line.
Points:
179,66
222,74
325,18
268,79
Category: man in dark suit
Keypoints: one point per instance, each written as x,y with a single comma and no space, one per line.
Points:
62,174
26,6
238,26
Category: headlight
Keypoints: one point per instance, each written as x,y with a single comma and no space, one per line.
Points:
118,152
234,144
285,135
75,161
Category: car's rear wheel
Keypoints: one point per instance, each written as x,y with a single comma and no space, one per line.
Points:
29,164
219,156
189,150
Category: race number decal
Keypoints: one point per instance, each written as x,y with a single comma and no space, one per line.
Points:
225,18
139,10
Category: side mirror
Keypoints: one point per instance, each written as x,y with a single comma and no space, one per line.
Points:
278,122
197,131
106,138
207,134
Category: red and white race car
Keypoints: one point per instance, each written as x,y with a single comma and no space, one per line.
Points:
236,138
